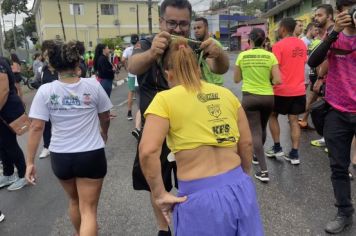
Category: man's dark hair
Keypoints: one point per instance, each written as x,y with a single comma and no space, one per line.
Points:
288,24
344,3
309,26
328,9
180,4
202,19
257,36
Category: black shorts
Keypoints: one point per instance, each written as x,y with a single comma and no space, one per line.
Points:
91,164
289,105
312,79
139,180
17,77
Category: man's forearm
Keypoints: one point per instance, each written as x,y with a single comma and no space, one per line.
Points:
220,65
139,63
318,55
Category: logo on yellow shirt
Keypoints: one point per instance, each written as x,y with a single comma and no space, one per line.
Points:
214,110
207,97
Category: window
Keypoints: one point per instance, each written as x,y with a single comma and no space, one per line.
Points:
108,9
77,8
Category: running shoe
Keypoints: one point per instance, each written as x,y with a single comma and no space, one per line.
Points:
254,160
274,152
7,180
2,217
129,115
294,160
136,133
45,153
262,176
318,142
19,184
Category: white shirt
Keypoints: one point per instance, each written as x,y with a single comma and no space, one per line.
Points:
127,54
73,110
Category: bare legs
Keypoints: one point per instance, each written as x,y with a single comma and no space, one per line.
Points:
83,202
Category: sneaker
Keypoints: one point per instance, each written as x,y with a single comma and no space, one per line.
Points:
45,153
2,217
294,160
272,152
318,142
338,224
136,133
19,184
129,115
7,180
262,176
254,160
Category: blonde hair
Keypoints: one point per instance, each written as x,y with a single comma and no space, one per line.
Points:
181,60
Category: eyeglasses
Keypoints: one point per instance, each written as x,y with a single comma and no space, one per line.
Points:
171,24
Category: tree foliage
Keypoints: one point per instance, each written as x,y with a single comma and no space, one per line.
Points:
14,7
29,26
250,9
112,42
9,41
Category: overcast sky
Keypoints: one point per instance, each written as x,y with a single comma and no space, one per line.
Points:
198,5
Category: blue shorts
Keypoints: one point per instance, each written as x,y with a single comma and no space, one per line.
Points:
225,204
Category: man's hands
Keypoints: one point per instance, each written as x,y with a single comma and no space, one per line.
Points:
342,20
211,49
165,202
31,174
159,44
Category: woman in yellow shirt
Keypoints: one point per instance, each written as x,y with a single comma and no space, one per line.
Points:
208,133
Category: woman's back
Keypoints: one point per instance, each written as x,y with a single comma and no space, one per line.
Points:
73,110
256,66
203,128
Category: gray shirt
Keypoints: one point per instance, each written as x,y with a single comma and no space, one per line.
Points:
35,67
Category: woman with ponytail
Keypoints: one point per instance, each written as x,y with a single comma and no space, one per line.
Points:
208,134
79,111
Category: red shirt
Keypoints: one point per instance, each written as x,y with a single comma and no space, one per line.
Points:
291,54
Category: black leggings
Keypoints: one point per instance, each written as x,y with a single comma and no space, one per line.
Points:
11,153
258,108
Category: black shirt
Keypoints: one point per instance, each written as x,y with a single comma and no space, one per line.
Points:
104,68
152,81
13,107
48,76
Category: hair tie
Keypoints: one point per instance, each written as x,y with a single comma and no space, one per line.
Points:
182,46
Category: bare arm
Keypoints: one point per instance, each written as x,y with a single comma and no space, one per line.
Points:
104,124
4,89
155,130
245,141
237,74
276,75
35,136
19,90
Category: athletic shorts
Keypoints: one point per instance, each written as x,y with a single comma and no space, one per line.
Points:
91,164
289,105
139,180
224,204
131,83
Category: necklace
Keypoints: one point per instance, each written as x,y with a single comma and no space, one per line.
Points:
68,75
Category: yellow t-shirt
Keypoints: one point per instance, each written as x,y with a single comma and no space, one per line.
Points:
256,66
196,119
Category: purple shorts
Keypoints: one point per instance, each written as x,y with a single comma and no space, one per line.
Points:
225,205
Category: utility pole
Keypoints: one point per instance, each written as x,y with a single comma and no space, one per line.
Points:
137,20
97,21
228,27
150,17
61,17
13,33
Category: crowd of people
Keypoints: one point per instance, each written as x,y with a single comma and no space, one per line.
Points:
205,144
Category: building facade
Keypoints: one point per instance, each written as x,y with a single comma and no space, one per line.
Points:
298,9
117,18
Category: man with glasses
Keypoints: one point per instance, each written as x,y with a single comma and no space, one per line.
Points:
175,20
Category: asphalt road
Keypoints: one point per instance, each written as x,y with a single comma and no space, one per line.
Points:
297,201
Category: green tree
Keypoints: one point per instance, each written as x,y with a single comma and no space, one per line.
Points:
250,9
113,42
29,26
10,42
